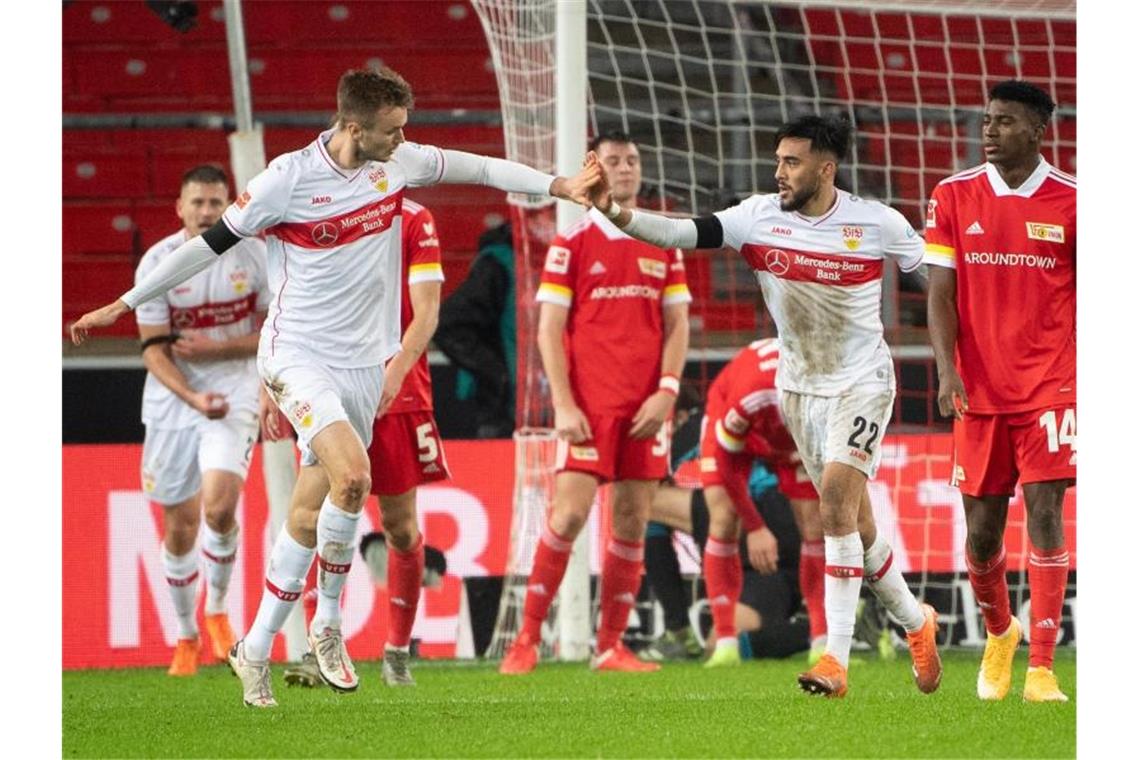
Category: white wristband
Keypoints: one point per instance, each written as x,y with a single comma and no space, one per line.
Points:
613,211
669,384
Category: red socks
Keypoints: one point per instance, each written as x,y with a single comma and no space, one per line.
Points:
1048,574
545,576
405,579
990,590
621,576
811,586
723,580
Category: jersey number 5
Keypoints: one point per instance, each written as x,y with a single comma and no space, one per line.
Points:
425,440
1065,435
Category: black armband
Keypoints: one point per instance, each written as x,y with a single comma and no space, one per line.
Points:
709,232
220,238
157,339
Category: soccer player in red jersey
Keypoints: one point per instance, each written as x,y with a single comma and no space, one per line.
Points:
613,331
743,421
406,449
1008,374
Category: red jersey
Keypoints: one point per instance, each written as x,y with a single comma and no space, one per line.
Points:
421,263
1015,253
746,392
616,289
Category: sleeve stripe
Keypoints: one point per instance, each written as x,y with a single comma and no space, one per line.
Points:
939,250
557,294
432,272
728,440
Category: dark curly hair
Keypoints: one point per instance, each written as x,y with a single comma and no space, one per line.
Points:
1031,96
828,134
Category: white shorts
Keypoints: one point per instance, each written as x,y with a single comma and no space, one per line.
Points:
173,460
848,429
314,396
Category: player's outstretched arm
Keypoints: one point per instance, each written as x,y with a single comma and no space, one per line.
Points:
942,317
184,262
655,229
513,177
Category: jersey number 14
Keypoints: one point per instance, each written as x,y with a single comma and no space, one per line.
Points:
1063,435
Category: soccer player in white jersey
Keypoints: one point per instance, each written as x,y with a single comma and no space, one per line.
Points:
330,213
818,253
200,410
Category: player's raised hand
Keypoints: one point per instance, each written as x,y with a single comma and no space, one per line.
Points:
763,551
213,405
570,424
274,427
102,317
652,415
577,188
600,197
193,346
952,394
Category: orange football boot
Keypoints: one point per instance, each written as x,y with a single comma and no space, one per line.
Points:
827,677
521,658
926,662
222,637
185,662
620,660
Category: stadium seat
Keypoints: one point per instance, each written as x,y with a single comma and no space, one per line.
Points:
91,282
98,229
103,22
392,23
103,172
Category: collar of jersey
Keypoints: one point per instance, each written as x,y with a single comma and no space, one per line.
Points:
608,228
1027,188
322,138
814,220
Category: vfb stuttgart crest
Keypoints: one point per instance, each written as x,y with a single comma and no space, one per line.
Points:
378,179
852,236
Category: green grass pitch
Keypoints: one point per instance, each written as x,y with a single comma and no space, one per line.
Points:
564,710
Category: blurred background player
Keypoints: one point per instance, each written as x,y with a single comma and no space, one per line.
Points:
406,449
332,324
477,333
1008,374
818,253
200,410
765,611
743,421
613,332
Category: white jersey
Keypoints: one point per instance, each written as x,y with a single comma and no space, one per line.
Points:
220,302
333,241
822,283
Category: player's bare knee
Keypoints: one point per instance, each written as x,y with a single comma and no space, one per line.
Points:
351,489
219,515
566,521
401,530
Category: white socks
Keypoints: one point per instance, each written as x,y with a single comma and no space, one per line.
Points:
219,551
336,537
182,580
886,581
284,580
843,576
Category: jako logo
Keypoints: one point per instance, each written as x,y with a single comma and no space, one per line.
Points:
320,200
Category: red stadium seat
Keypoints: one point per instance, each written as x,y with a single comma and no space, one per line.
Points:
103,173
394,23
90,22
99,229
91,282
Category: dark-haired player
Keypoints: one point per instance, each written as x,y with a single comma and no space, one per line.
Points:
200,410
1008,229
613,330
818,253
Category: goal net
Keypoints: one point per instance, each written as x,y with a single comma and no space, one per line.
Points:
702,86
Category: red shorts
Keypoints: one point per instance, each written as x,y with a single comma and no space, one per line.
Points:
612,455
993,451
793,480
406,452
